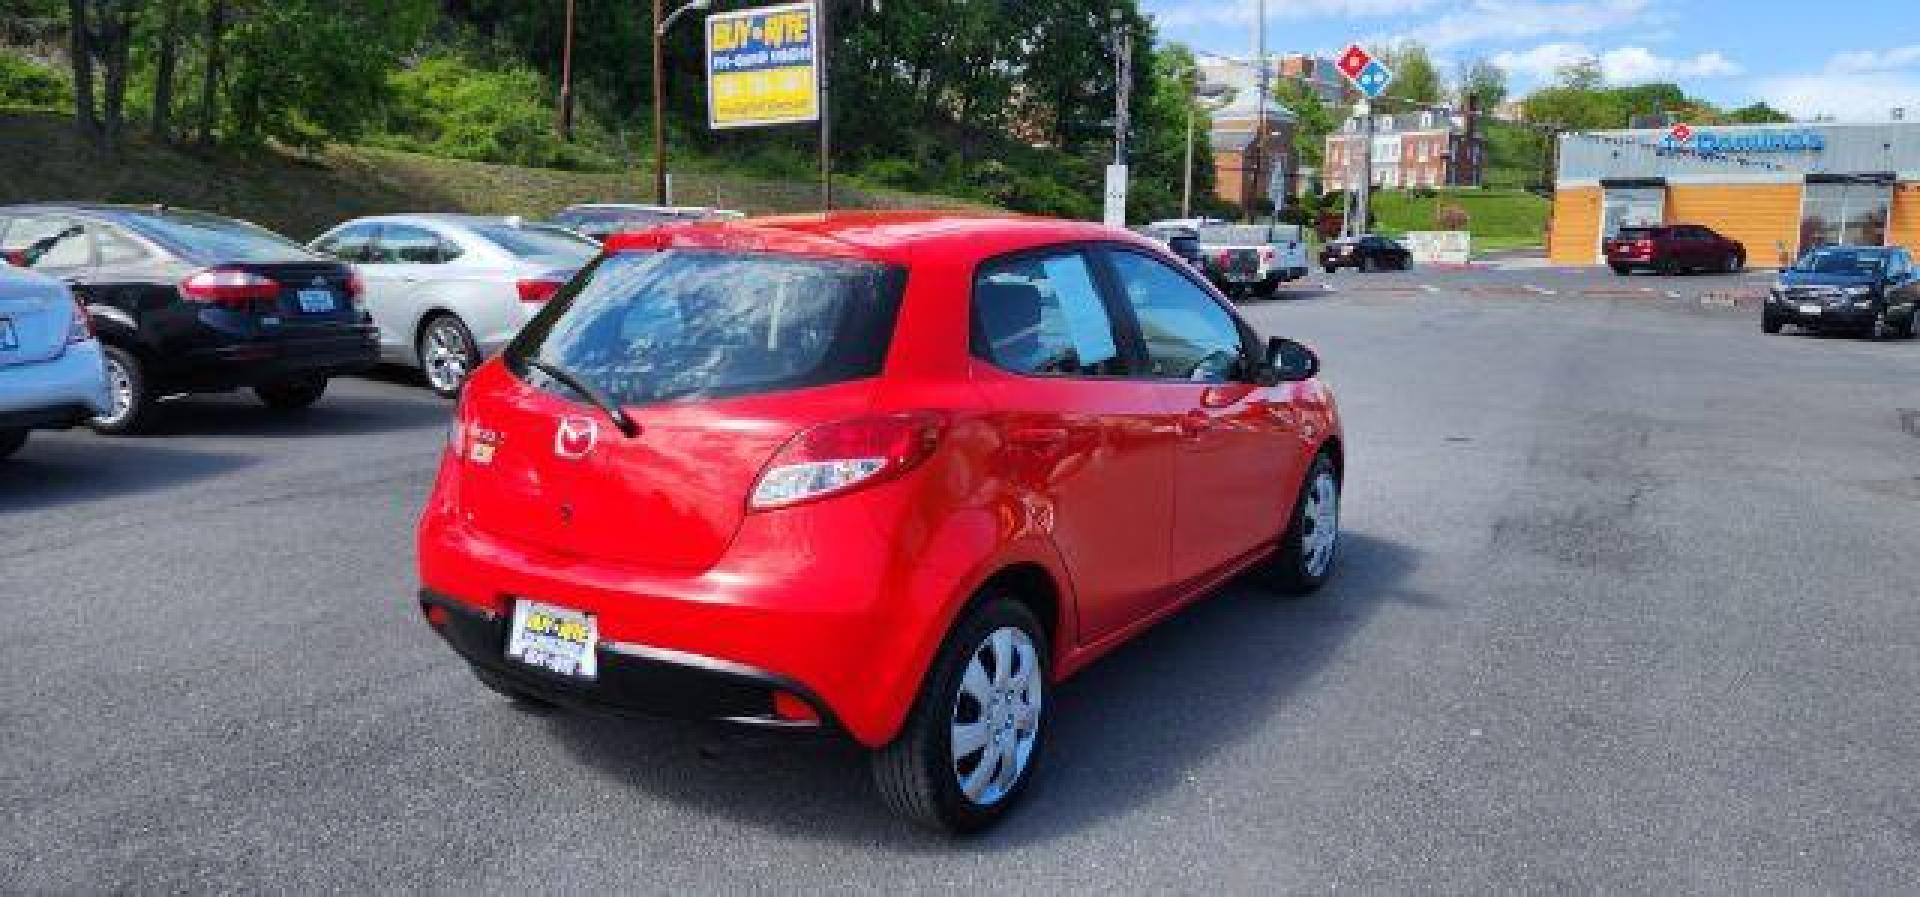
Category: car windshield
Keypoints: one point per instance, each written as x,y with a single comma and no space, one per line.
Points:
212,239
540,242
680,325
1841,261
1244,234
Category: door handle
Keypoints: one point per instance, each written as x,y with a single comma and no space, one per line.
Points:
1043,438
1194,424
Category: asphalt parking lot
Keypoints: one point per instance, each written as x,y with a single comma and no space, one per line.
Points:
1630,601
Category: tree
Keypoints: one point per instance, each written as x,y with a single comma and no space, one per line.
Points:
1758,114
308,71
100,39
1314,119
1482,84
1581,74
165,65
1415,78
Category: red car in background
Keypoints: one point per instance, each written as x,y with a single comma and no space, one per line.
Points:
895,475
1674,248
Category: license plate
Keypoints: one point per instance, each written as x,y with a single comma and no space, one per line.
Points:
8,341
1811,309
315,302
555,639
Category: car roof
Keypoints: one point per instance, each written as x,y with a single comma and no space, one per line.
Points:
102,210
894,237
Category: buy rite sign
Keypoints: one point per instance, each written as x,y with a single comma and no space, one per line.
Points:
763,67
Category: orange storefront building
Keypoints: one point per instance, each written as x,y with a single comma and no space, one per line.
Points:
1780,189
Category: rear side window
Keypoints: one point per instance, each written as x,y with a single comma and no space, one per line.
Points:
539,242
353,243
402,244
680,325
212,239
116,248
1043,315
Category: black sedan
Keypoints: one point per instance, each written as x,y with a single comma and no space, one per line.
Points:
191,302
1368,253
1871,290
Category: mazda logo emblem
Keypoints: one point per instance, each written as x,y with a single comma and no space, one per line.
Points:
575,438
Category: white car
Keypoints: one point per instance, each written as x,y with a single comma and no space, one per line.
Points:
447,291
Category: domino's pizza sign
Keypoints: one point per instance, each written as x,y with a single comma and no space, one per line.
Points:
1369,75
1684,137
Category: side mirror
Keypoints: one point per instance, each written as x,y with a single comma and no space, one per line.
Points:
1288,361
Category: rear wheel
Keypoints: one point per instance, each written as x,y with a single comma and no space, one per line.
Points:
1667,267
1368,265
292,395
1304,561
971,744
447,355
1912,328
1622,270
1734,263
1770,324
1329,268
133,403
11,441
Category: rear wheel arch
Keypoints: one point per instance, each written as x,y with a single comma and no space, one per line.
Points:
1031,585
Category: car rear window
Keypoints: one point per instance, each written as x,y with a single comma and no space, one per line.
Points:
539,242
1638,233
684,325
211,239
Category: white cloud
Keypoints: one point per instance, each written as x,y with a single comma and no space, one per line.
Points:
1858,85
1181,13
1485,21
1621,65
1876,60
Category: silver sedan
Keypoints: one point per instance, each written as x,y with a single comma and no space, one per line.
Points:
447,291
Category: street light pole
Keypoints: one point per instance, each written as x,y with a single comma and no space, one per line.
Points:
566,79
660,27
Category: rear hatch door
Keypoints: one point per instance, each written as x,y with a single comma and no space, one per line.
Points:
36,314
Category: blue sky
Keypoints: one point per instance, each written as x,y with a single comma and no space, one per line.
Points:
1853,60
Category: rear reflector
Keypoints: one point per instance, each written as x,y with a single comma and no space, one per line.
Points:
228,286
834,458
538,290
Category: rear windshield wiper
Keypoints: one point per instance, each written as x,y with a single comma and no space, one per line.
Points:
589,392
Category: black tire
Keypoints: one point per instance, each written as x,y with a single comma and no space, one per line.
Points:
519,698
1735,264
1288,570
1881,329
11,441
1666,267
917,775
1622,270
1369,265
1770,324
1329,268
127,377
292,395
1912,328
458,340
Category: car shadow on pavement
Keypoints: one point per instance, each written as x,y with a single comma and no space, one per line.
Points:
48,474
348,415
1207,678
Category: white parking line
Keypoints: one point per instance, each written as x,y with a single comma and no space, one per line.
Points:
1430,288
1538,290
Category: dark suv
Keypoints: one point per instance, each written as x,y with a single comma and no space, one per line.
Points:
1671,249
190,302
1866,289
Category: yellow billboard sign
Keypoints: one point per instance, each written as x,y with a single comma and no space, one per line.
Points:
763,66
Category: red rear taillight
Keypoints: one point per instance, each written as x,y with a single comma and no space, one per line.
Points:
356,290
538,290
834,458
81,329
1226,258
228,286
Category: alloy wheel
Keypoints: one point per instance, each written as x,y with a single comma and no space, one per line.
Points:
996,715
1320,533
447,359
119,392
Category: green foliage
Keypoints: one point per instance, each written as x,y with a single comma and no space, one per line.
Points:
24,82
449,106
1482,82
1415,77
1315,119
1497,218
1758,114
307,71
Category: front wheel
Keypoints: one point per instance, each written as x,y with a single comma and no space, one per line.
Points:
1735,263
1304,561
292,395
133,403
1622,270
1770,325
972,741
11,441
1329,268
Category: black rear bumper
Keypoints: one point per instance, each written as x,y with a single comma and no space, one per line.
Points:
633,680
254,363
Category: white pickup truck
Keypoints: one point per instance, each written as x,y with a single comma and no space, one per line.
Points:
1253,259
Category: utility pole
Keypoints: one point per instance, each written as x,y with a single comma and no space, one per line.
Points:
1116,199
566,79
1186,188
822,41
1259,176
1363,197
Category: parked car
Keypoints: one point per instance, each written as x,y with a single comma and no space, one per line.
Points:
446,291
52,376
1253,259
892,475
1182,241
1673,249
187,302
602,220
1369,253
1866,289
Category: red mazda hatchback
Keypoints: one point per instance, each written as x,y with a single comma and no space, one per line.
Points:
894,475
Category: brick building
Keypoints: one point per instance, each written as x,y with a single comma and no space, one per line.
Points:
1410,149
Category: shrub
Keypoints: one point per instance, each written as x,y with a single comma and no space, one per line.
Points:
1451,216
447,106
26,82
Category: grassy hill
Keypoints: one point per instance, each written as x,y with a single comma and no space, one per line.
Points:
1499,219
42,159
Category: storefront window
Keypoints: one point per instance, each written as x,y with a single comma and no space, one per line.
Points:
1632,207
1852,214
